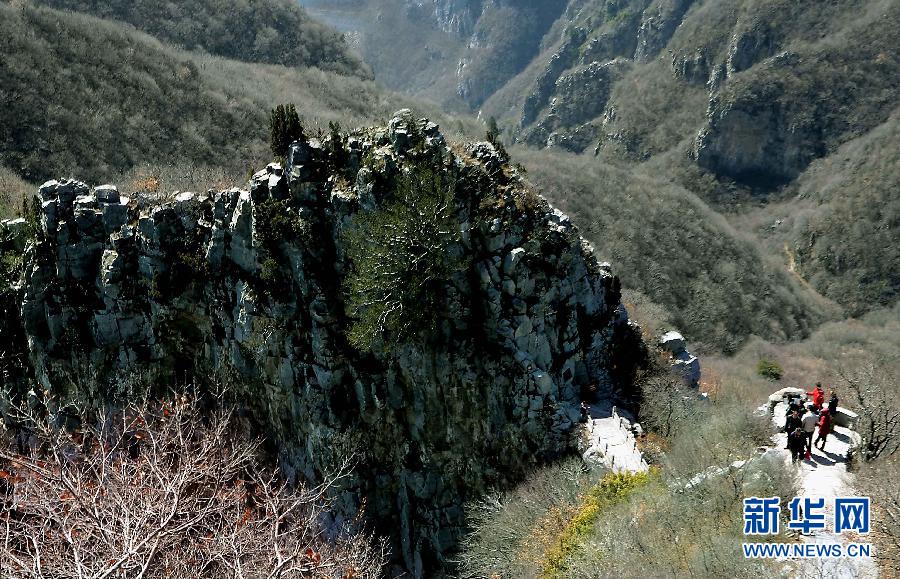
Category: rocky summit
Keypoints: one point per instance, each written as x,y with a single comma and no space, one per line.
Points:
258,288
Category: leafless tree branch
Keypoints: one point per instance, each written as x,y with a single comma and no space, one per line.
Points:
159,490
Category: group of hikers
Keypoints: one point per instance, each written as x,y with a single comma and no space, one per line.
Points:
801,422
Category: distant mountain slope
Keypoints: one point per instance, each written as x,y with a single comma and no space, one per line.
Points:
751,90
734,100
768,85
849,249
457,52
717,285
84,96
270,31
838,226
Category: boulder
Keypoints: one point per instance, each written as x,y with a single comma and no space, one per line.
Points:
683,363
15,231
672,342
783,394
687,366
401,129
107,194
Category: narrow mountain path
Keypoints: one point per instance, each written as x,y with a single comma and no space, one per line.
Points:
611,440
792,269
825,475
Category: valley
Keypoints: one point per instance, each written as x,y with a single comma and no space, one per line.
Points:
469,241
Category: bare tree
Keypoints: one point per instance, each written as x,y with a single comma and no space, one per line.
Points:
161,490
874,387
666,403
879,480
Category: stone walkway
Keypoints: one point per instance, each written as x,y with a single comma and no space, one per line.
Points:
611,439
825,475
612,443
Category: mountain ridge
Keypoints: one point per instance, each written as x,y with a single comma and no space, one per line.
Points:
256,287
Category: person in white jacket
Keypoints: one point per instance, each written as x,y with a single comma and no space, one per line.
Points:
809,421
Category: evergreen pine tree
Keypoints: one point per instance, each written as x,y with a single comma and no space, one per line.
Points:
276,130
285,128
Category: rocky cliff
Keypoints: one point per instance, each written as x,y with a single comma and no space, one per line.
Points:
254,286
752,91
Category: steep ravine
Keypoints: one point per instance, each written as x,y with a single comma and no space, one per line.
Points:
251,287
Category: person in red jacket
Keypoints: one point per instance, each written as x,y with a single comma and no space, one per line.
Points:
824,427
818,396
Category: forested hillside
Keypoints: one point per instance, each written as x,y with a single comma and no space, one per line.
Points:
90,97
649,104
847,246
270,31
837,225
716,284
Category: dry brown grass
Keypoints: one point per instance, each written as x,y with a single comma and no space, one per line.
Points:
545,534
835,345
13,190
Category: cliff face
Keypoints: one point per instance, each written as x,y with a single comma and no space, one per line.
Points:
742,82
253,286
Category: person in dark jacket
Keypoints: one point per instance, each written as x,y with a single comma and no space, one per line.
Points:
824,427
793,405
797,444
832,403
791,423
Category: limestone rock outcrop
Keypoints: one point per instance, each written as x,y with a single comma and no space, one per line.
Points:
249,286
753,96
683,363
545,83
14,231
658,23
582,95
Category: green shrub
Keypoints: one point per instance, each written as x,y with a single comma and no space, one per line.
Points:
769,369
612,489
278,224
690,524
683,520
512,531
401,255
284,129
